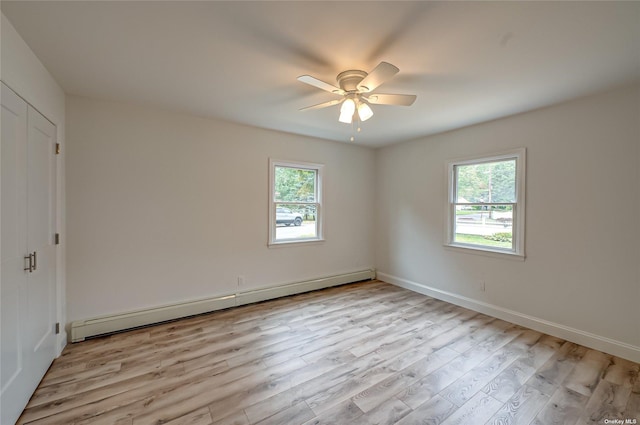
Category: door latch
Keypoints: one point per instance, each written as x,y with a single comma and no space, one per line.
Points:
30,267
32,262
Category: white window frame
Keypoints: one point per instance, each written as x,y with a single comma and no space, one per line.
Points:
318,168
518,226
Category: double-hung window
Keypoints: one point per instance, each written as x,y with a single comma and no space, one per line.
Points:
486,203
295,205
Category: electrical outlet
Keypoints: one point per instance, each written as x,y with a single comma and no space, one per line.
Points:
240,281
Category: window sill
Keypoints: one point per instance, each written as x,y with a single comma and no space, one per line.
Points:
282,244
487,252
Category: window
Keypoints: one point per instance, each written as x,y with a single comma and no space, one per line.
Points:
295,206
486,203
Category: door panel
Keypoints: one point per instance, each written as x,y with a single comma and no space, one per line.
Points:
41,135
14,385
14,184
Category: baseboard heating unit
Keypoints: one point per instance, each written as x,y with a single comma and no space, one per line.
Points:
82,329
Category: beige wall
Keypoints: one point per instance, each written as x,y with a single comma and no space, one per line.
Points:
582,229
164,207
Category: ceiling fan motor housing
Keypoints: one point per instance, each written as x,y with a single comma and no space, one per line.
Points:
349,80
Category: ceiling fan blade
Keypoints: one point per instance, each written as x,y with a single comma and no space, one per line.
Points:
323,105
312,81
379,75
392,99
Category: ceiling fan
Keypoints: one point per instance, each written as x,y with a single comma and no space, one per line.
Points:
355,89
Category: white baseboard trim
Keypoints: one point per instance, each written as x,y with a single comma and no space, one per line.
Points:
82,329
61,343
608,345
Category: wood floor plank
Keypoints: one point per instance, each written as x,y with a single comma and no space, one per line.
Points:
407,327
432,412
312,387
358,383
588,372
197,417
557,368
345,412
315,372
239,393
374,395
328,345
365,353
622,372
521,408
237,417
387,412
50,393
476,410
89,371
632,411
478,335
608,401
80,406
546,347
473,381
435,382
509,381
296,414
564,408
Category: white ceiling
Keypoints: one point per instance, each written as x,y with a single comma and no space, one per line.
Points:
468,62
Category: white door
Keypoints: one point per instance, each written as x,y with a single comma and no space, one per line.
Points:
27,310
41,225
13,291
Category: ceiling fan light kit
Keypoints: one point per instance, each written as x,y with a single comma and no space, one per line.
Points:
364,111
346,111
354,87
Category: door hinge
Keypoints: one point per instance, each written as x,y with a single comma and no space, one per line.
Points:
57,328
57,239
57,148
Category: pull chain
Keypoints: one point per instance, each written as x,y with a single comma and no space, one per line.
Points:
358,129
352,138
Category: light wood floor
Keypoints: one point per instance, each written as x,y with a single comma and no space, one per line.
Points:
367,353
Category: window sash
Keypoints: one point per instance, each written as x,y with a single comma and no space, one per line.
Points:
295,202
479,204
495,160
277,240
518,207
316,179
514,223
274,202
